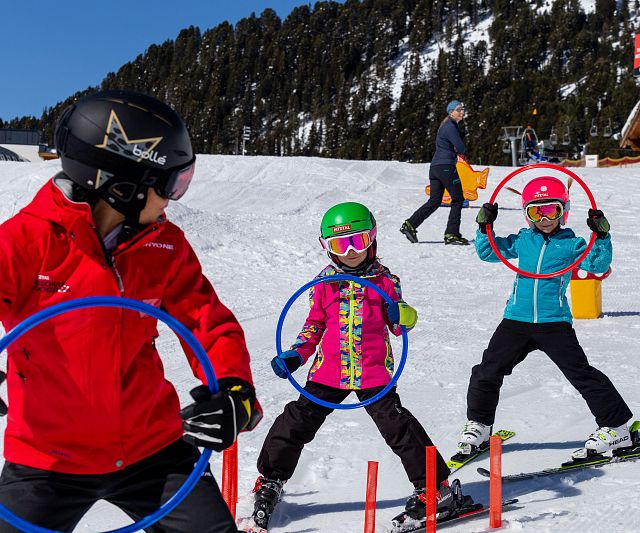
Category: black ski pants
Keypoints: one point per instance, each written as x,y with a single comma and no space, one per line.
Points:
301,419
442,177
513,341
59,501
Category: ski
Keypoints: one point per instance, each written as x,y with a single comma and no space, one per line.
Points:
595,461
471,511
571,466
458,460
248,525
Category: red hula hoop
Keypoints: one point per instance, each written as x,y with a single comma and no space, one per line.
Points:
584,254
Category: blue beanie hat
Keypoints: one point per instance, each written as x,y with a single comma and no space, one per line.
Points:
452,105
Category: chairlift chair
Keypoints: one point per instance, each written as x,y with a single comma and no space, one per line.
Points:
553,138
608,131
594,129
566,138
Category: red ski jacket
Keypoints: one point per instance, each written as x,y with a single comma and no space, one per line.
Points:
87,390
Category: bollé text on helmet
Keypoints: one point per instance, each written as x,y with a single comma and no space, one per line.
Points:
149,154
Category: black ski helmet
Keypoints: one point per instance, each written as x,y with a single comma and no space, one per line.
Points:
119,143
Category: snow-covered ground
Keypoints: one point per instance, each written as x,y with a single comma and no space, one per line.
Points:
254,223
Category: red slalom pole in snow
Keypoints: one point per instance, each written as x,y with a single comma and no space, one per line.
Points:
370,500
230,477
430,489
495,483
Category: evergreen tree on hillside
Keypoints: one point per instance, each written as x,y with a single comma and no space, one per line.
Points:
370,79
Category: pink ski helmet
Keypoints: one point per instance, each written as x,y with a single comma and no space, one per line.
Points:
546,188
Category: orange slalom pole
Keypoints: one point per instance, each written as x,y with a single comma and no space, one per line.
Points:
495,483
430,491
230,477
370,500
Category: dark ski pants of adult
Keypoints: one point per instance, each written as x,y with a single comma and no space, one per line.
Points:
513,341
442,177
59,501
301,419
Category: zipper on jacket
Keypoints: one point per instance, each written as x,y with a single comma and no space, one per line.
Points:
535,282
560,291
515,289
112,261
351,354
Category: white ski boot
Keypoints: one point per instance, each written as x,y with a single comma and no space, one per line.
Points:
474,436
603,440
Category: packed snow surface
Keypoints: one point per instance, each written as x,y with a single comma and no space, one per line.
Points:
254,222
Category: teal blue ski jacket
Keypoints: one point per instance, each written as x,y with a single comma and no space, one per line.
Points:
543,300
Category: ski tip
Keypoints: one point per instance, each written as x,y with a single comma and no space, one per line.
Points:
483,472
505,434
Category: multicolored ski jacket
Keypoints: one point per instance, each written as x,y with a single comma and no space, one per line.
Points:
87,389
348,325
543,300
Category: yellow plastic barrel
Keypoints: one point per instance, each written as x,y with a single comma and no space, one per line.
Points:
586,293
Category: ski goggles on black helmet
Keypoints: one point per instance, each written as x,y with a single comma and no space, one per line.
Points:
175,184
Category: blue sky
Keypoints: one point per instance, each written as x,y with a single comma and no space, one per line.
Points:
50,50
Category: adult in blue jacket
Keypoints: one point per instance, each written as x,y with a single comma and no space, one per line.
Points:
443,175
538,317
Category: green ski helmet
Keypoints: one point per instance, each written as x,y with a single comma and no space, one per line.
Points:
345,219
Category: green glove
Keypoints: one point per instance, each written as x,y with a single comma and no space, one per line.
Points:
402,313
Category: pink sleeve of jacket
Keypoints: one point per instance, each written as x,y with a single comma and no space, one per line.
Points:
314,326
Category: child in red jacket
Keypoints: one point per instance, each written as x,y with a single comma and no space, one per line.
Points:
91,414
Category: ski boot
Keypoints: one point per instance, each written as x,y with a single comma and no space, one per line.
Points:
452,238
618,440
409,232
267,493
449,502
474,437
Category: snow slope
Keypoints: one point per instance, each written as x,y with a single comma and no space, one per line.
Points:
254,223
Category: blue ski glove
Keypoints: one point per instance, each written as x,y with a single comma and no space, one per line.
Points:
598,223
289,359
487,215
402,313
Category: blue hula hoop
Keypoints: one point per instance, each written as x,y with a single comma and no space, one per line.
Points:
298,387
179,329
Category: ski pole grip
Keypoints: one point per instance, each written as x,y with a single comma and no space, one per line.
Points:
495,483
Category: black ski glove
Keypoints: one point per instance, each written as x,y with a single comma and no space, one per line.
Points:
3,406
214,421
487,215
598,223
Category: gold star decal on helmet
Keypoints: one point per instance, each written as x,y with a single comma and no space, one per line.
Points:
116,140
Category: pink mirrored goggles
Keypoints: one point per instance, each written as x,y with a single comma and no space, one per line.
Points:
550,210
358,242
